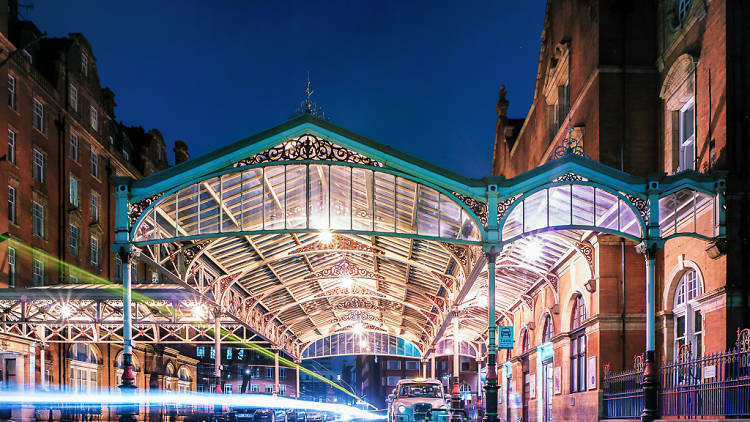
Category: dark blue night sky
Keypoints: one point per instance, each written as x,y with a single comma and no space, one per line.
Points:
419,76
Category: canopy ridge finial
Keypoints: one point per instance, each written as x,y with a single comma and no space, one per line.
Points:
569,145
308,106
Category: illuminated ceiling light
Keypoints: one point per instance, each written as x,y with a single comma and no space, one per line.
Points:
362,344
66,311
532,250
199,311
358,328
325,237
346,281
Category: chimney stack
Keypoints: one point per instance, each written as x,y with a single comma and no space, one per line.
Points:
180,152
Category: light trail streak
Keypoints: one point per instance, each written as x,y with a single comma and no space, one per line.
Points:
115,288
138,398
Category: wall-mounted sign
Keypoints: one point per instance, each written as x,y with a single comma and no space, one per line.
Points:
591,369
505,337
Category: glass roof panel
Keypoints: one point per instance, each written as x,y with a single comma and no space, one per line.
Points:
686,211
428,211
296,197
559,204
362,199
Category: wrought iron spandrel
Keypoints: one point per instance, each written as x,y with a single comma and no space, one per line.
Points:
479,208
137,208
642,205
308,147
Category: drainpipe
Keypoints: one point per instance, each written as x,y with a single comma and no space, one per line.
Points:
622,311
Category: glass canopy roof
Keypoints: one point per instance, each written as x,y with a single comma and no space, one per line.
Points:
311,232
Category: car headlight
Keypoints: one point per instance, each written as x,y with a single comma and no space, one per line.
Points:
444,407
402,409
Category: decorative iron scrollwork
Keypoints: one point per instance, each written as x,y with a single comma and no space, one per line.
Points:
341,269
308,147
568,146
639,362
569,177
743,339
460,252
477,207
640,204
137,208
504,206
192,251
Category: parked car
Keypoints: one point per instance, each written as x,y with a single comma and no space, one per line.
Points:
243,414
418,399
264,415
295,415
316,416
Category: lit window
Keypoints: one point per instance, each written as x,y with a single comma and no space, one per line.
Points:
282,389
74,191
37,267
687,137
125,153
95,206
94,163
268,388
201,388
73,100
11,267
84,64
74,239
94,118
74,146
12,146
255,388
12,207
229,353
94,251
38,119
227,388
282,373
38,164
37,217
241,354
269,372
212,355
688,320
577,346
11,92
200,351
154,277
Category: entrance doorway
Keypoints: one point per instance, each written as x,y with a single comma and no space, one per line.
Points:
547,390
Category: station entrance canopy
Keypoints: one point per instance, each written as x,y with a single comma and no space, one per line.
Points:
307,234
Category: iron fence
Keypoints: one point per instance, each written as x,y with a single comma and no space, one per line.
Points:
623,394
716,385
713,385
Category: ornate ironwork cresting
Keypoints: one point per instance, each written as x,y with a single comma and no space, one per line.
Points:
568,146
308,147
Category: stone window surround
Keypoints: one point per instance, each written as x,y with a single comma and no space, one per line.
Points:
677,90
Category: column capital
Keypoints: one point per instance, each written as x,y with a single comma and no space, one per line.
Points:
647,249
491,252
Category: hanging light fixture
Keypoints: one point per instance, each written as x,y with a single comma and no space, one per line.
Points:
325,237
66,311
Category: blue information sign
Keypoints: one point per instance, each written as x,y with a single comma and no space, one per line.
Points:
505,337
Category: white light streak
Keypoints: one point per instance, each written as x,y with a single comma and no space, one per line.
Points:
152,397
325,237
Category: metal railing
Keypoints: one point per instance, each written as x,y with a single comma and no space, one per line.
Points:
716,385
623,394
713,385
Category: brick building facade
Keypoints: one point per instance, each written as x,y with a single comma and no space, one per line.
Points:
646,87
63,144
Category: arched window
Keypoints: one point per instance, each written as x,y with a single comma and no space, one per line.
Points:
524,340
577,346
579,312
688,320
548,329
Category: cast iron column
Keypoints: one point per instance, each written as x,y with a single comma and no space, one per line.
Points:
650,410
491,386
218,409
432,365
455,391
276,372
296,370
